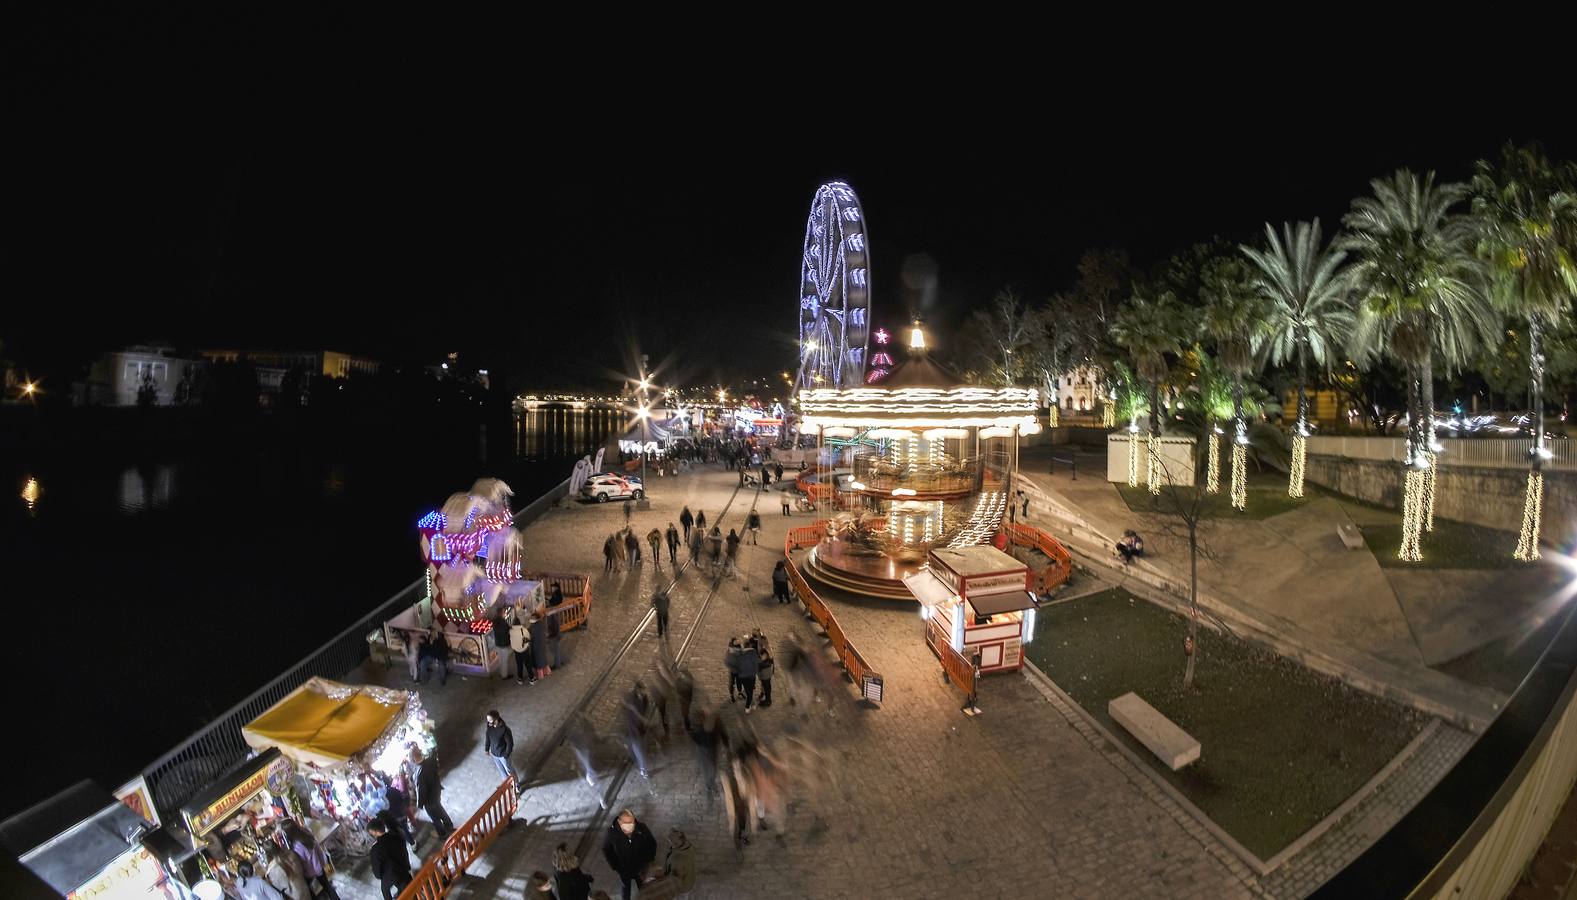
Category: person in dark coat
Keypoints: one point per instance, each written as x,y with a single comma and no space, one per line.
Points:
557,597
753,523
686,519
501,639
554,629
390,863
660,603
748,661
539,646
569,882
629,848
672,536
398,814
500,744
435,654
429,792
700,520
731,662
777,470
780,582
632,546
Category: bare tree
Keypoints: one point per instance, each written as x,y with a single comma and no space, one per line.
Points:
1182,510
1003,334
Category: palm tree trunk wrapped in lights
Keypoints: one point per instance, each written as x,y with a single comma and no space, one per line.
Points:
1411,549
1213,464
1239,476
1532,511
1051,414
1108,415
1153,472
1133,456
1431,468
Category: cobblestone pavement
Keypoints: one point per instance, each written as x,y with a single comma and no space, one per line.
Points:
1021,801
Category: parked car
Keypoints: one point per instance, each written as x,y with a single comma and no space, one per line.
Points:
603,488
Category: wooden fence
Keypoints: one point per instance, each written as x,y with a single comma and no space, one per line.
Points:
1061,568
868,679
468,842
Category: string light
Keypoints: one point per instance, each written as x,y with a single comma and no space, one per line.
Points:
1213,466
1051,415
1300,454
1428,509
1108,416
1239,476
1410,549
1532,513
1133,457
1153,470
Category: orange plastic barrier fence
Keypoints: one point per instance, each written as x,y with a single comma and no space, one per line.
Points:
576,607
1061,567
868,679
960,671
468,842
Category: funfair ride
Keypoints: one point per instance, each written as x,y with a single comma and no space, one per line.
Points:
930,463
835,294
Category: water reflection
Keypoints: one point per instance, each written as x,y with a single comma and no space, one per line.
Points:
146,488
31,491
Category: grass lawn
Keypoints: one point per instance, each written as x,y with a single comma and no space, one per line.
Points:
1281,746
1266,497
1452,545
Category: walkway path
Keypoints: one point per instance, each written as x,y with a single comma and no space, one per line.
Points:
928,802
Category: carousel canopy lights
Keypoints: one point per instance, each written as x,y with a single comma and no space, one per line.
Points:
917,338
903,492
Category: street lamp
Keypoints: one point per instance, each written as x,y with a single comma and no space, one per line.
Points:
643,412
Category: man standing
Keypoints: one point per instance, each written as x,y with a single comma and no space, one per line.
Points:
500,744
429,793
749,663
785,498
390,864
660,603
672,535
753,522
554,630
501,639
629,848
686,519
777,470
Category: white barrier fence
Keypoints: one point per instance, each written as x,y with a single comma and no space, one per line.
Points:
1489,453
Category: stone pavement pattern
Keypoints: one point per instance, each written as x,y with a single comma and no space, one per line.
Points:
927,803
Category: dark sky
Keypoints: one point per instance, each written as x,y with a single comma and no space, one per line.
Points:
203,182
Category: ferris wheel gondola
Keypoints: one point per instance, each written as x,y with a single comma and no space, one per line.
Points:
835,292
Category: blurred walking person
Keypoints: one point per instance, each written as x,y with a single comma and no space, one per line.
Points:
766,677
660,603
686,519
730,565
679,863
753,523
429,792
731,663
569,882
748,664
672,536
632,546
539,646
654,539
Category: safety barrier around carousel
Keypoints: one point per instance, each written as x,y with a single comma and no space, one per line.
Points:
1061,568
868,679
468,842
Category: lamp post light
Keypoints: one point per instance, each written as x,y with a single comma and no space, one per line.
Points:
644,413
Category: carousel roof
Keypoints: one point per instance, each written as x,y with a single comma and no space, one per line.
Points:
921,371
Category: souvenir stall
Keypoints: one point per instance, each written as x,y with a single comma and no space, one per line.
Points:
85,845
345,744
976,599
236,813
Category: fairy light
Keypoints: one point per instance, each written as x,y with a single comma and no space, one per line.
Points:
1152,472
1213,466
1051,415
1532,514
1239,476
1427,511
1133,456
1300,454
1411,549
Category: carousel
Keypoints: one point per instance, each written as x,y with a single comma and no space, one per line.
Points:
925,463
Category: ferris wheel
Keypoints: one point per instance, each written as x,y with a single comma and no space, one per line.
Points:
835,292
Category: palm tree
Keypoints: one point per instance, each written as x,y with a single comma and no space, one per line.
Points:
1526,210
1149,330
1233,314
1418,286
1307,293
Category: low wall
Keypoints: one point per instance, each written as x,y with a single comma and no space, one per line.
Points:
1480,496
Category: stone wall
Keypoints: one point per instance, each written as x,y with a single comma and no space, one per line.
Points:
1489,497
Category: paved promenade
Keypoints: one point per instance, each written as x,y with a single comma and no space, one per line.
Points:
922,801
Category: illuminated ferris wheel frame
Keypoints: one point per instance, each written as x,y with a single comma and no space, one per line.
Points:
835,294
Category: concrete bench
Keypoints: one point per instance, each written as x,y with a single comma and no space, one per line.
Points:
1350,535
1172,744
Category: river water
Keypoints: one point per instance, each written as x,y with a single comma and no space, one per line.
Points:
153,589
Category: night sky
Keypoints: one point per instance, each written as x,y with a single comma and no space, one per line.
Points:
196,182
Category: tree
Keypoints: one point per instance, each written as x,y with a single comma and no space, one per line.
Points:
1128,402
1002,335
1418,288
1233,314
1306,290
1526,212
1184,508
1149,330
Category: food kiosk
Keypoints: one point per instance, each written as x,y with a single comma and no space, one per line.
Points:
86,845
977,599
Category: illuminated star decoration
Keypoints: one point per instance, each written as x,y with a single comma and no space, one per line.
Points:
881,361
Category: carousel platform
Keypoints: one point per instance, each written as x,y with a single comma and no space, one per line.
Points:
873,575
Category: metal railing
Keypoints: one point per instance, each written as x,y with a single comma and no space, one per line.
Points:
468,842
1488,453
191,765
853,661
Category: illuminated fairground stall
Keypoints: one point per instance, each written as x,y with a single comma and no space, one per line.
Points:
925,463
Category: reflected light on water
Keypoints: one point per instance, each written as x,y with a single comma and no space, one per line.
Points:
31,491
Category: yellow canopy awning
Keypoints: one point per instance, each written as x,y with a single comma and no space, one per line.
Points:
326,723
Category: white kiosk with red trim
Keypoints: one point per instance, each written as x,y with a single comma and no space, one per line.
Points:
978,597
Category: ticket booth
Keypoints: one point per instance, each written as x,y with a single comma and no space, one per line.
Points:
977,599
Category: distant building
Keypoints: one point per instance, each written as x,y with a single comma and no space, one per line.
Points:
1078,390
118,377
319,362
